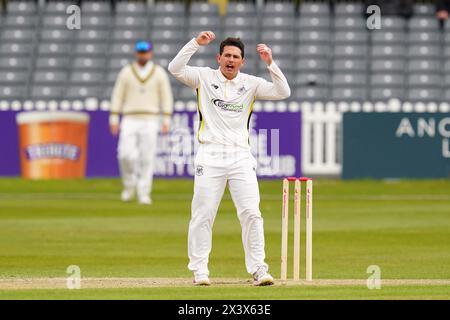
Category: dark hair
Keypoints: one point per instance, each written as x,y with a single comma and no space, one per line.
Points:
235,42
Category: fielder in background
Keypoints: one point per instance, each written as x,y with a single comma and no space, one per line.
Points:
141,94
225,100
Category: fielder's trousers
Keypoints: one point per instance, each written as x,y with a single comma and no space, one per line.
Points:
212,172
136,152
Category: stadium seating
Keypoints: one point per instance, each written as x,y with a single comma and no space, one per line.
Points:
326,52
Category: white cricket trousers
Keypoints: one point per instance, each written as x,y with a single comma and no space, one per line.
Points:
136,152
212,172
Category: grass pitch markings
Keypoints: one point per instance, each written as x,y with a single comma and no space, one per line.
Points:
114,283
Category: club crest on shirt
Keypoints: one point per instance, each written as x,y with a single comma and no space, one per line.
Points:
215,86
241,90
199,171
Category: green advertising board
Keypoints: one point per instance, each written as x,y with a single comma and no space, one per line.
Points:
396,145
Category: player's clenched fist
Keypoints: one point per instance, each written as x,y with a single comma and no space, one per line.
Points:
265,53
205,37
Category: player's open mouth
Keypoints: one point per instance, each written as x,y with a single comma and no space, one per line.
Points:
229,67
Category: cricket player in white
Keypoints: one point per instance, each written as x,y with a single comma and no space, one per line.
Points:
141,95
225,100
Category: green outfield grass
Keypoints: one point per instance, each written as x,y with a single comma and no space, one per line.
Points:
45,226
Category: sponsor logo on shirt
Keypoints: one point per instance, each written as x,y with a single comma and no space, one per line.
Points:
227,106
215,86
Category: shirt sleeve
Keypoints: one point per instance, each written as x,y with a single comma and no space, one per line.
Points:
166,97
277,89
180,70
118,96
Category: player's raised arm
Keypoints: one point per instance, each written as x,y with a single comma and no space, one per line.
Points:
279,87
178,66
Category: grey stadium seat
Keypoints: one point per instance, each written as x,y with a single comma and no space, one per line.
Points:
166,49
16,49
313,50
313,36
52,62
202,22
421,65
13,62
388,37
392,23
388,65
391,51
282,50
21,7
424,51
88,63
313,23
130,8
240,22
13,77
53,76
385,93
130,22
279,9
446,95
350,51
56,7
347,37
350,23
424,94
80,92
314,9
348,79
425,9
278,22
164,23
19,21
349,93
58,21
350,65
387,80
128,34
424,80
87,77
116,64
312,64
168,8
247,36
348,9
318,78
271,36
241,9
95,22
52,35
424,37
90,49
47,92
54,48
96,7
12,92
423,23
447,80
311,93
16,35
203,9
167,36
92,35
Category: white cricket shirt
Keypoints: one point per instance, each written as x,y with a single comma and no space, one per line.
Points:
225,106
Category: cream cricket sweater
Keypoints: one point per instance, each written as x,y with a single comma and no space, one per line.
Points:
141,96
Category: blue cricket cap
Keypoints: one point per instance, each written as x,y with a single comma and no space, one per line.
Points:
143,46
